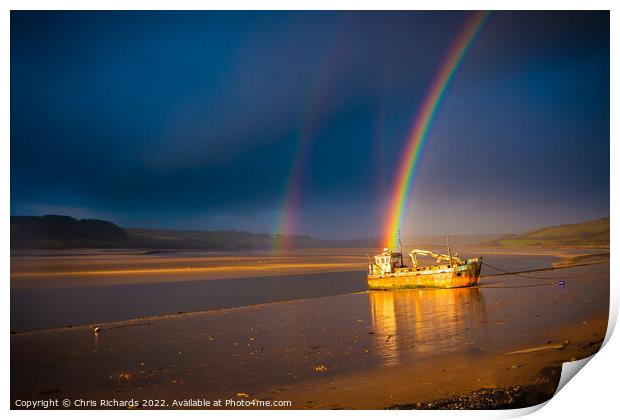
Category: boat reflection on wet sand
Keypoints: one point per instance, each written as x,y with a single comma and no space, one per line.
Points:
424,320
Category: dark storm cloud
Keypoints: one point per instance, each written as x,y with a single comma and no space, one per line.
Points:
169,118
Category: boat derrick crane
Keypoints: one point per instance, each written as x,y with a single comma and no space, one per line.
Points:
451,259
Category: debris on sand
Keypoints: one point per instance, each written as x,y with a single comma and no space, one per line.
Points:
540,348
125,376
487,398
496,398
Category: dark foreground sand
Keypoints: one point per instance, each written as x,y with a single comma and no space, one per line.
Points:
498,345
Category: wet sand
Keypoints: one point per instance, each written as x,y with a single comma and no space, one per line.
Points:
40,269
355,350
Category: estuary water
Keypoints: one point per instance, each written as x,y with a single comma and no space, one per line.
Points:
51,297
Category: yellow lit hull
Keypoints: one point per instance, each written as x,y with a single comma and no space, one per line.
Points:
438,276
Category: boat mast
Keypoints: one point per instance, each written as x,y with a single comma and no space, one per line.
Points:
400,246
449,249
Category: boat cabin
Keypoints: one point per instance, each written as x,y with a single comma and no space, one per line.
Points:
387,261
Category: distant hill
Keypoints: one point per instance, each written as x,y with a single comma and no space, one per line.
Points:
228,240
60,232
594,232
440,240
65,232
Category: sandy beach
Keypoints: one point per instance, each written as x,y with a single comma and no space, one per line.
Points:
499,344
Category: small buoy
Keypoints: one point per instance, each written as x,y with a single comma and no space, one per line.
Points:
96,329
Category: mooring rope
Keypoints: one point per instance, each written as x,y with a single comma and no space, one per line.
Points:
520,273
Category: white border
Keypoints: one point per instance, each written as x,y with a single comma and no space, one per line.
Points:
593,394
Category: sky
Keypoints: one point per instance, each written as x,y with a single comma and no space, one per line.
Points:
241,120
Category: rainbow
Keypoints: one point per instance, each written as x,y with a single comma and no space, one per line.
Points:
420,127
291,204
287,221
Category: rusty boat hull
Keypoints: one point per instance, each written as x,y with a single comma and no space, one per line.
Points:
437,276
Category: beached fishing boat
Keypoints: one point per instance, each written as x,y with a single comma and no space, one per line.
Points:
388,271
